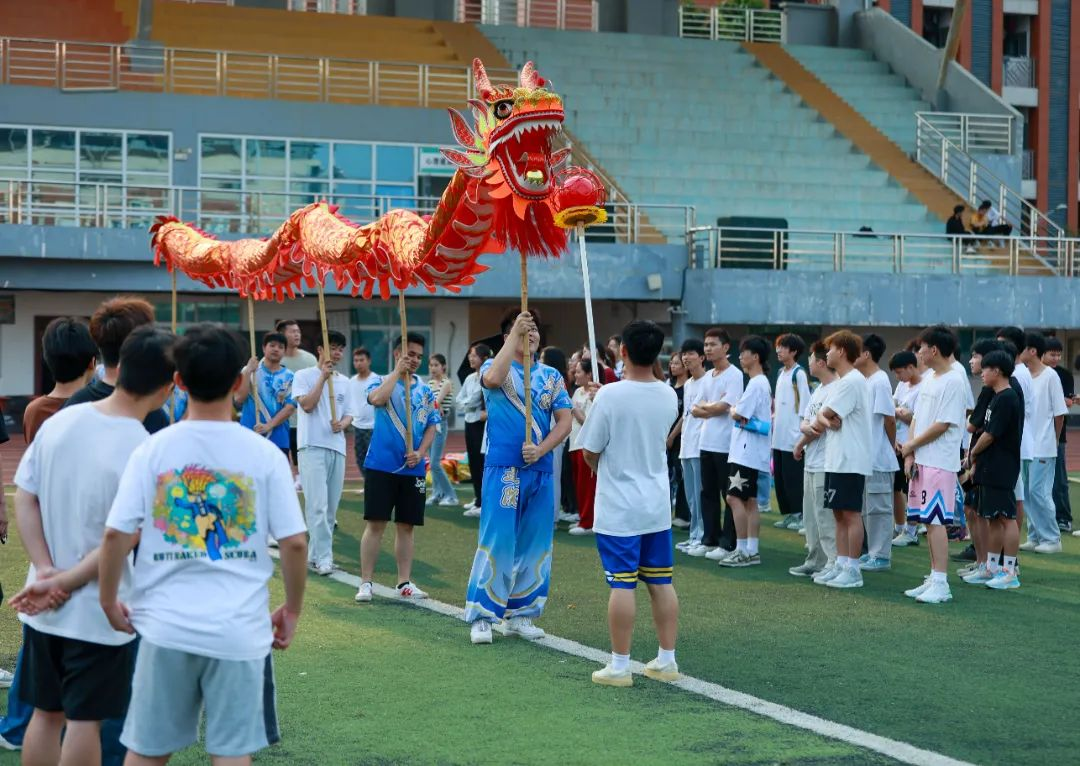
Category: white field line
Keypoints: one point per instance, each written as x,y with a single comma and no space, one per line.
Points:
901,751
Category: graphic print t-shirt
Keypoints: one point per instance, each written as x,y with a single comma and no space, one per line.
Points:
205,496
275,393
387,450
506,414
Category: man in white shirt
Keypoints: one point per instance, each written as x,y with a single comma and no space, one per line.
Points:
633,516
789,405
722,387
295,359
905,366
848,455
820,524
693,357
932,455
1015,336
878,503
363,413
321,443
76,668
1050,409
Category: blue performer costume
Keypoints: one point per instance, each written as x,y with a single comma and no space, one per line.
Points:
511,571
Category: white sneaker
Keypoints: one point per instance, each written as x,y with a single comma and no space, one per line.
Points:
5,745
6,679
916,592
449,502
1048,547
680,523
523,626
324,570
409,591
826,574
684,545
716,554
936,593
363,593
271,541
571,518
480,632
903,539
698,551
658,672
803,570
470,505
849,577
608,677
576,530
739,559
1029,545
471,512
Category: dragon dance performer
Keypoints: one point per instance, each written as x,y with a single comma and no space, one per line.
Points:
511,571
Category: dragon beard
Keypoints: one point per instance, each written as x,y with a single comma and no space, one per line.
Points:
535,235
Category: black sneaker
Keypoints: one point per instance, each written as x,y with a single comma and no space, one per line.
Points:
968,554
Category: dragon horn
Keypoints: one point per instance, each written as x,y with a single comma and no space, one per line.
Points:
462,132
530,78
483,84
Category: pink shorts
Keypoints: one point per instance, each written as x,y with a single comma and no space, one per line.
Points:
931,496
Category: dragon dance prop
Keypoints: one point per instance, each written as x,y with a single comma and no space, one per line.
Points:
502,195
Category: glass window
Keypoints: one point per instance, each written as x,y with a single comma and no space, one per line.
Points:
101,151
53,148
148,153
14,152
352,161
221,156
309,160
265,158
396,163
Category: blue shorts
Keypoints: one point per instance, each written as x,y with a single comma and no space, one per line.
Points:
626,560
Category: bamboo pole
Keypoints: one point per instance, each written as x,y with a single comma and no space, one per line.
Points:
588,301
526,361
251,340
408,376
173,273
326,348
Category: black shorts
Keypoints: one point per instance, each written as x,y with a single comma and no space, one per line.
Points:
293,445
995,502
83,680
844,491
742,482
900,482
387,494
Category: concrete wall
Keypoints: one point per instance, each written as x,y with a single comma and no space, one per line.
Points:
813,24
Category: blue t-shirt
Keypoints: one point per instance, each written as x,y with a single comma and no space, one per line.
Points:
387,450
506,414
275,393
175,406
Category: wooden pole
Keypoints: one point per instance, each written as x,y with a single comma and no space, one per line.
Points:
588,301
526,361
326,348
251,340
173,273
408,377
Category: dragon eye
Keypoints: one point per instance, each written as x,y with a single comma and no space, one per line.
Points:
504,109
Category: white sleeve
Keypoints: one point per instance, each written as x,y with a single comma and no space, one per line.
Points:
733,390
883,403
1057,394
596,430
283,513
135,495
803,384
302,385
26,475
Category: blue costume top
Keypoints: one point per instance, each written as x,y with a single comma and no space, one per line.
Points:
387,450
506,414
176,405
274,392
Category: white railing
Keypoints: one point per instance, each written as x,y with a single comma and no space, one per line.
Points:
581,15
1028,171
1019,72
991,133
97,66
346,7
738,24
229,212
807,250
974,183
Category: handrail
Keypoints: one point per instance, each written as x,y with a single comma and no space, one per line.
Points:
1018,71
974,132
878,252
736,24
227,211
974,183
581,15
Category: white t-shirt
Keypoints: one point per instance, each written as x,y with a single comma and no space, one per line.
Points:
628,426
1049,404
313,428
362,411
581,401
693,393
905,396
969,400
73,466
749,448
881,406
727,387
792,398
205,495
1027,437
849,449
942,399
814,454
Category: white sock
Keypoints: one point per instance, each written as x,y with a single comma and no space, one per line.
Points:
842,562
941,577
665,656
1010,564
911,529
740,545
620,663
752,545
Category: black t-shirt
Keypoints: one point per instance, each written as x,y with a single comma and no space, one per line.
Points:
99,389
1068,388
999,465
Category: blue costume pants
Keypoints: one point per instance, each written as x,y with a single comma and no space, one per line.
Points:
511,572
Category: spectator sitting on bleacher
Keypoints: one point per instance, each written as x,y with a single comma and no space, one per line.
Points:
989,222
955,225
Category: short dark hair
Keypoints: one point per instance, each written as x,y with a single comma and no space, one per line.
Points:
1014,335
274,337
985,204
439,358
1008,347
68,348
999,360
1053,343
586,365
691,344
720,334
510,316
482,350
335,338
410,338
616,338
819,350
846,341
1037,341
361,351
282,324
792,343
757,346
986,345
553,357
643,340
146,361
958,209
939,336
902,359
113,322
208,359
875,344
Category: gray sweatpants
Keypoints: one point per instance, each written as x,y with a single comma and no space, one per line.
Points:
878,515
819,522
322,473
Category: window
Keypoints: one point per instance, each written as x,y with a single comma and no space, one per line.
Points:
223,312
88,177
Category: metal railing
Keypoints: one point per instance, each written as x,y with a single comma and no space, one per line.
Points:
346,7
737,24
550,14
974,183
98,66
1028,170
808,250
1019,72
973,132
240,212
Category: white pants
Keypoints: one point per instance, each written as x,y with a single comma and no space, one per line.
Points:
322,473
819,522
877,515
